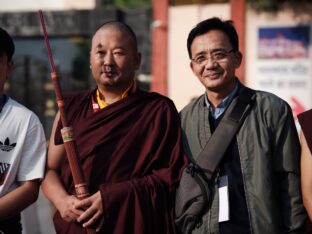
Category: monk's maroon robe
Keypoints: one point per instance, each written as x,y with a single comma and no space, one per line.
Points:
131,151
305,120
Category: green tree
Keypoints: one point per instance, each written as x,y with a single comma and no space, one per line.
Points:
273,4
125,3
270,5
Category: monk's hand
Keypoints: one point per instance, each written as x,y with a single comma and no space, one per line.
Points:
67,208
93,210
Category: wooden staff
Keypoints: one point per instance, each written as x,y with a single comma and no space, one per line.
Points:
72,153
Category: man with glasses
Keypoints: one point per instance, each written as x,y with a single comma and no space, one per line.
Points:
260,168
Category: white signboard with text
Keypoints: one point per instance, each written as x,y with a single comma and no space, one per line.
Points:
283,65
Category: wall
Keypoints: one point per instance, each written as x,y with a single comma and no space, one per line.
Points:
34,5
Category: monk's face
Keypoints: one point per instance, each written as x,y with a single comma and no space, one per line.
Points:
114,59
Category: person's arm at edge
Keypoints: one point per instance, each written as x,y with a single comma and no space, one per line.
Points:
306,175
17,200
52,186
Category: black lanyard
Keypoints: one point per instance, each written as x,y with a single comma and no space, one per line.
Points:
3,100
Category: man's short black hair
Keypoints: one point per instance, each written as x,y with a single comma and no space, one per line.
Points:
6,44
213,24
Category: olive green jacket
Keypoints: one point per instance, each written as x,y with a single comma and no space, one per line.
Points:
269,152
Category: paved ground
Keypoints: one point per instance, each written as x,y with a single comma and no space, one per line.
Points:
37,219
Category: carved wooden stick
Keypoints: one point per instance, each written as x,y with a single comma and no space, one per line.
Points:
72,153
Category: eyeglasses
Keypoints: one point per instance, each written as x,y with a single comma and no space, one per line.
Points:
216,56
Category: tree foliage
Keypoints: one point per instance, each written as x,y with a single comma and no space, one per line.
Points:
270,5
125,3
273,5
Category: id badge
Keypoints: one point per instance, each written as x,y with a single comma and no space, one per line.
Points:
224,206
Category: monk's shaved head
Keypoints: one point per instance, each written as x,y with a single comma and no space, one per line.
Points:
120,27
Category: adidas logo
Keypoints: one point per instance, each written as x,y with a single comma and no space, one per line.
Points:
6,146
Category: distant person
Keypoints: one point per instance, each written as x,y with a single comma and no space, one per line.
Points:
260,168
22,149
129,142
